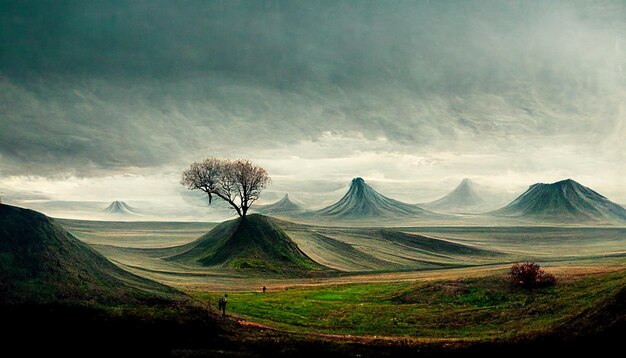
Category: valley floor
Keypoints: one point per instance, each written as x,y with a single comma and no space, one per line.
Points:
409,283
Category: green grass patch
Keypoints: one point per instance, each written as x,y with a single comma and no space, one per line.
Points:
476,308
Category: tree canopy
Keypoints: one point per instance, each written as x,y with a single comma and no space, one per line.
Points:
238,182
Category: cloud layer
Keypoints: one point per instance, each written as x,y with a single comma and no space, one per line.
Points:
414,95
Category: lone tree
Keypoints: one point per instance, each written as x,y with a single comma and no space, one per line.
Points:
238,182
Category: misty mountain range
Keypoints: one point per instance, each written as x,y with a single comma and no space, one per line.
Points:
561,202
565,201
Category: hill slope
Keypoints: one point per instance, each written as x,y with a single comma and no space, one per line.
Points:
254,243
362,202
282,207
565,200
40,262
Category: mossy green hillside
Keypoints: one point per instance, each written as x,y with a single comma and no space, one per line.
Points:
40,262
253,243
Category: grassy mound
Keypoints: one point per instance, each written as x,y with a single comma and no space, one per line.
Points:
253,243
40,262
74,302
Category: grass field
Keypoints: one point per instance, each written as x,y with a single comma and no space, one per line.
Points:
427,282
472,308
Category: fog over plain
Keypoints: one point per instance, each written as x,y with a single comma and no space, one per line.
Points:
110,100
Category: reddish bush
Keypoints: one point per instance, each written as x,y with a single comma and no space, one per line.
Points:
529,275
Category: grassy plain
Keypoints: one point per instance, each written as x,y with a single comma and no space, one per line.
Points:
471,308
410,282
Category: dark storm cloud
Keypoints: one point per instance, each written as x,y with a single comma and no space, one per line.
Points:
443,45
89,87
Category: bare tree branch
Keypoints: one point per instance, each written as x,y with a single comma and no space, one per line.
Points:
228,180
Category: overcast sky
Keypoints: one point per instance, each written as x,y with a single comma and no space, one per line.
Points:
104,100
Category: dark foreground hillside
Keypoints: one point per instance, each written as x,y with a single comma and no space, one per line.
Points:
59,295
40,262
78,331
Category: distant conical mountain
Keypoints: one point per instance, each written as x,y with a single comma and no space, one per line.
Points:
565,200
463,198
282,207
254,243
40,262
362,201
120,208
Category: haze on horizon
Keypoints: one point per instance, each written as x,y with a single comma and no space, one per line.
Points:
103,101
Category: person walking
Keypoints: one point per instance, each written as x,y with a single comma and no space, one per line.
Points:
222,304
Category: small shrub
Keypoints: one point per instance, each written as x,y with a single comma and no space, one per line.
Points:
530,275
545,279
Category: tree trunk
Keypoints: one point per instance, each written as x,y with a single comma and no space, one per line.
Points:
231,204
